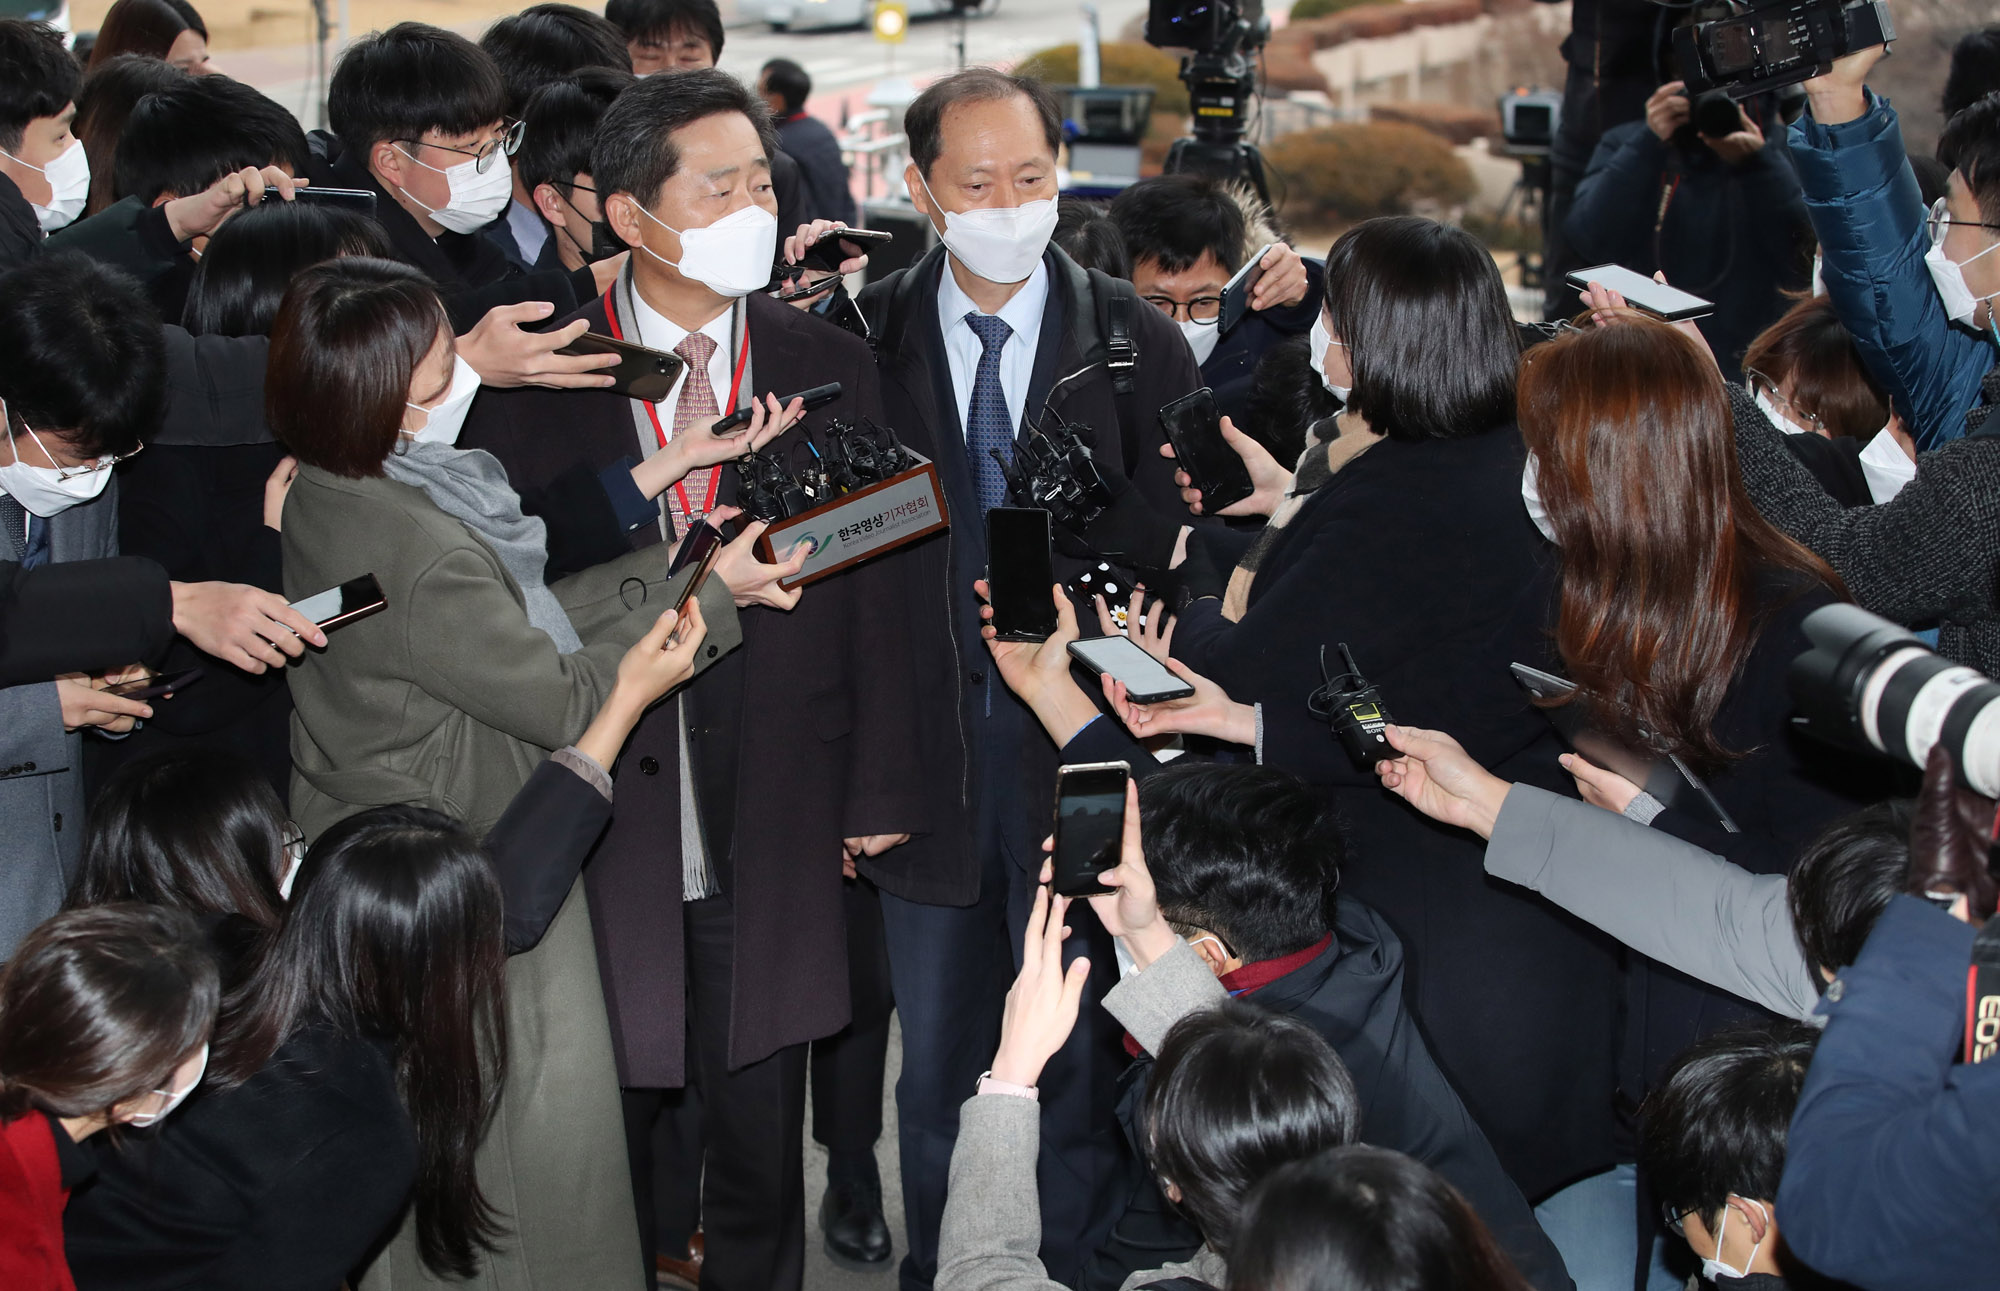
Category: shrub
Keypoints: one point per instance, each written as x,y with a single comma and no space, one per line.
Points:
1355,170
1119,63
1304,9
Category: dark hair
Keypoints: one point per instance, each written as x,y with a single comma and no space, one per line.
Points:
662,19
80,353
1970,145
1287,398
193,829
1662,551
252,259
100,1005
396,84
147,27
1812,348
110,92
1173,219
1933,177
1236,1092
1362,1218
547,41
1087,235
1716,1122
1975,71
38,78
1845,878
923,121
789,82
349,336
1250,853
395,933
635,151
1428,330
562,119
182,139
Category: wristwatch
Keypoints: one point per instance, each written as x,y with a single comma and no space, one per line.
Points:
988,1085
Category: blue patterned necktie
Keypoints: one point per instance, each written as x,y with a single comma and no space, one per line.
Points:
987,425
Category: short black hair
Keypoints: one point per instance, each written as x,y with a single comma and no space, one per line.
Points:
81,353
396,84
1428,329
562,119
923,121
1250,853
653,19
252,259
635,150
1173,219
38,78
789,82
111,89
1716,1122
1975,70
1236,1092
546,41
1845,878
1087,235
182,139
1286,399
1970,145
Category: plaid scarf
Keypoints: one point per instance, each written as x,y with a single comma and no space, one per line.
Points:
1331,443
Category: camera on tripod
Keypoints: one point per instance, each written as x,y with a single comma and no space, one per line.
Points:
1054,469
1529,119
1746,49
1220,75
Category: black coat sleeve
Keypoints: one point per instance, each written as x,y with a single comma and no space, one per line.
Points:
583,524
82,616
538,847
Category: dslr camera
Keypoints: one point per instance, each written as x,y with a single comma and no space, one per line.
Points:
1748,48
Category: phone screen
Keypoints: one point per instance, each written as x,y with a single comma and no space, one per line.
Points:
1020,573
1090,825
1146,679
1194,428
1641,292
357,598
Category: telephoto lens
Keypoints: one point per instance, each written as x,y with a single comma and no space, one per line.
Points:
1868,684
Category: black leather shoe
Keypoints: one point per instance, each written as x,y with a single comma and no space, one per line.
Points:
850,1215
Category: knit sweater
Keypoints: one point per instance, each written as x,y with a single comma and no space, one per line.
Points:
1930,556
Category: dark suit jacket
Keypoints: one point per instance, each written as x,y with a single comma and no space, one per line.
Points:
81,616
20,231
804,736
809,143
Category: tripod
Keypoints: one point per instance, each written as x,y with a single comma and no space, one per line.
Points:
1221,88
1528,202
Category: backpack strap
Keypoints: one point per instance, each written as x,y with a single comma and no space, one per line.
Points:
1113,301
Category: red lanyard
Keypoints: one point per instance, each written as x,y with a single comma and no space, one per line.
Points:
653,409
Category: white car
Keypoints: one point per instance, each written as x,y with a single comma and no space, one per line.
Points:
53,12
784,15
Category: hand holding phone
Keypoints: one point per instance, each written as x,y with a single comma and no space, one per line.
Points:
154,686
817,397
1194,428
337,607
1146,679
1237,291
1020,570
642,373
1090,825
1641,292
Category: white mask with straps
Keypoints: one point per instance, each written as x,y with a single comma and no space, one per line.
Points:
476,200
47,491
1769,406
1948,276
446,417
731,257
69,186
1713,1267
1531,497
1317,342
1001,244
174,1097
1201,337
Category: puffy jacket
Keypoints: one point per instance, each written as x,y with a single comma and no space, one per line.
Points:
1863,200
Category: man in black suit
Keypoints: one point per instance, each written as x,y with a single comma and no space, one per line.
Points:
993,331
828,190
716,895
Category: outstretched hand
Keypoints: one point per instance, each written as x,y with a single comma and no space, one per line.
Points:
1439,778
1043,1002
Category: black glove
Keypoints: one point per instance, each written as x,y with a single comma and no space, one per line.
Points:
1129,532
1951,841
1197,576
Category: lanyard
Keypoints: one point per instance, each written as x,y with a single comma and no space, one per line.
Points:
653,409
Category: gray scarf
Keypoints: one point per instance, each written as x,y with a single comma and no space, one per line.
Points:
469,485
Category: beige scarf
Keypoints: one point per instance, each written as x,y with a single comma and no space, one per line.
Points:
1330,445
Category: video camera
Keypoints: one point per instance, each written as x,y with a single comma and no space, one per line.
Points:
1529,119
1220,75
1750,48
1054,469
858,453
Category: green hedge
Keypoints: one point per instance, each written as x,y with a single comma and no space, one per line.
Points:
1303,9
1355,170
1119,63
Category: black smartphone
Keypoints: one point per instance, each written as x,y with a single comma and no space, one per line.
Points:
701,565
642,373
1090,825
336,607
1236,292
1194,428
1641,292
154,687
817,397
358,200
826,254
702,537
1020,573
1147,680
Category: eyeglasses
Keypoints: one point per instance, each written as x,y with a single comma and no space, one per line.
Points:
65,472
1674,1219
508,143
1202,309
1940,220
1770,389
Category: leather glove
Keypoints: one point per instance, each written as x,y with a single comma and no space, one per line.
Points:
1198,575
1951,841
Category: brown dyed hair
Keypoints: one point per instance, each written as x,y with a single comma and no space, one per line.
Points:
1661,546
1811,347
348,338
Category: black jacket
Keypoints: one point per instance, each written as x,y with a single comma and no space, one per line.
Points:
20,231
1231,370
808,142
82,616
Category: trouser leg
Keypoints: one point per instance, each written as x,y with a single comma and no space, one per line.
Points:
848,1066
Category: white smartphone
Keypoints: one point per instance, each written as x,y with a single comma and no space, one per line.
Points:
1641,292
1146,679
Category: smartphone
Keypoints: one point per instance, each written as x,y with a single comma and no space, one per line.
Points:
1090,825
641,373
1236,292
1641,292
154,687
1020,573
702,537
358,200
1194,428
336,607
817,397
701,565
826,254
1147,680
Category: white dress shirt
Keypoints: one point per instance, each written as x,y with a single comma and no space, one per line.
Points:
524,225
962,347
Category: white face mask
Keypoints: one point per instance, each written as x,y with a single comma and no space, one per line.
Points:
47,491
295,856
1769,407
1886,467
476,200
1316,345
1713,1267
1201,337
69,186
731,257
1001,244
1531,497
447,416
1948,276
174,1097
